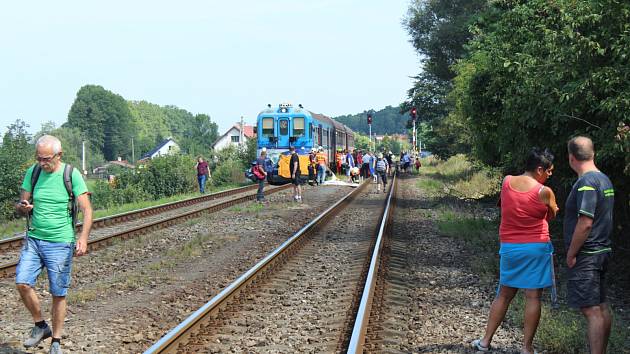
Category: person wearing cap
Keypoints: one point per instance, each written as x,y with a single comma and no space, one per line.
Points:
294,166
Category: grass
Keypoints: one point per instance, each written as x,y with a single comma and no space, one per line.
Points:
9,228
560,330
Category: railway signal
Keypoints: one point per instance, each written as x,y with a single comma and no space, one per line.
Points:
414,113
369,117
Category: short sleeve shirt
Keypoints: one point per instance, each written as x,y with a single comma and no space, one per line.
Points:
294,158
202,168
51,219
592,195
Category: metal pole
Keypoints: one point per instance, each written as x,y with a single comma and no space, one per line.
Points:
83,157
370,145
133,152
240,140
413,138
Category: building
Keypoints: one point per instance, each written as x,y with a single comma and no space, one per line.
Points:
233,136
108,167
166,147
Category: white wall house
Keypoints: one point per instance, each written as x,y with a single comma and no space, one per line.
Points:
166,147
233,136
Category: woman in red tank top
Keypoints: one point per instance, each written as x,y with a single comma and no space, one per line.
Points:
526,251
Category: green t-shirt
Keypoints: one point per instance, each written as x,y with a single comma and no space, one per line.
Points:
51,220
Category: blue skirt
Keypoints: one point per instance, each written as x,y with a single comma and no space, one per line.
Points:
526,265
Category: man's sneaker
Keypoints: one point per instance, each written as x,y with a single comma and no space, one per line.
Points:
55,348
37,335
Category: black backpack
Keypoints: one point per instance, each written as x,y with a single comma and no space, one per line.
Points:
67,182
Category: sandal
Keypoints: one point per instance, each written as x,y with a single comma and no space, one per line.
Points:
476,344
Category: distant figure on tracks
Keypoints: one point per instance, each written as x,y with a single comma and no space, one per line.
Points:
322,163
382,168
294,165
50,240
349,165
526,251
261,175
203,173
588,223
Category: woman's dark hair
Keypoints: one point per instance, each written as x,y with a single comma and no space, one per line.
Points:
538,158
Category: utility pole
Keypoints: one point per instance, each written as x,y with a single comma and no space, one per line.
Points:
240,140
83,158
133,152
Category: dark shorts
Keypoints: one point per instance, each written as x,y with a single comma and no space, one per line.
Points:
297,180
586,280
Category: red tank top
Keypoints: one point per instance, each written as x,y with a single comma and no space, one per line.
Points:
522,215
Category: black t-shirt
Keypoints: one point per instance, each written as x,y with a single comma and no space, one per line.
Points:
294,158
593,196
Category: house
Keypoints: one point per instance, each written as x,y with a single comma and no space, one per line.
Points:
233,136
166,147
105,169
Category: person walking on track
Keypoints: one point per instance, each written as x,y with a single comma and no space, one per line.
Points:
50,239
294,165
203,173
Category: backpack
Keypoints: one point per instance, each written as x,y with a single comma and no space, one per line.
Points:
381,166
258,173
249,174
67,182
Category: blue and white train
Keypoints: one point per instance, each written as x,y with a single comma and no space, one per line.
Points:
285,126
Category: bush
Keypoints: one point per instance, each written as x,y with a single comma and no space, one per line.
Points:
228,172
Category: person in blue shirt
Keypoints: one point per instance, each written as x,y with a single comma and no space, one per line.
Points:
349,165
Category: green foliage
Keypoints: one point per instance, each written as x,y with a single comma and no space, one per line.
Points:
195,134
16,155
162,177
104,119
388,120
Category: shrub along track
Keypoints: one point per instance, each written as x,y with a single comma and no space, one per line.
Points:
126,296
304,302
137,222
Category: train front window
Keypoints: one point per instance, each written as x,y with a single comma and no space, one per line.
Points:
267,127
298,126
284,127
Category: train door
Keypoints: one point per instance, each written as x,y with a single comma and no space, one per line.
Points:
283,132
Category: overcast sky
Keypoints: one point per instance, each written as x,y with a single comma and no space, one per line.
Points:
222,58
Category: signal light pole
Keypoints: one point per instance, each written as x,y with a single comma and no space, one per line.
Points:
369,121
414,115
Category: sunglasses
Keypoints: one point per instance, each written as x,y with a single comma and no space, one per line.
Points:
45,159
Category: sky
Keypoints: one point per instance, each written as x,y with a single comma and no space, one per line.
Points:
226,59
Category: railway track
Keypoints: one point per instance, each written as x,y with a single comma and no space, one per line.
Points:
156,217
303,297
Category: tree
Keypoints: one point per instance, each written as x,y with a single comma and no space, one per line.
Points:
104,118
16,155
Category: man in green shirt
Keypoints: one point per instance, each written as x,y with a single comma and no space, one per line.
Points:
50,239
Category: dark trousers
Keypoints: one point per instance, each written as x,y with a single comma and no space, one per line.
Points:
260,195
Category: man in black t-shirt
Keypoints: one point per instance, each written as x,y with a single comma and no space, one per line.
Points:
588,223
294,166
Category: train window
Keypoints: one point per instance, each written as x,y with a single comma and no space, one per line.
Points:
298,126
284,127
311,130
267,126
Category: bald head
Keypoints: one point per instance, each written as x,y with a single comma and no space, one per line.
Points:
581,148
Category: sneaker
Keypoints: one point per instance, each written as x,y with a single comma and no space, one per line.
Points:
55,348
37,335
476,345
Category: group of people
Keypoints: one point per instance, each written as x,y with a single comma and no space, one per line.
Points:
526,253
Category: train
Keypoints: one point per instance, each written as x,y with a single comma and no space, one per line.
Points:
283,126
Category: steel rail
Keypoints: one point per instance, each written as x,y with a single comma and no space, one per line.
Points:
170,342
8,268
13,243
357,339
